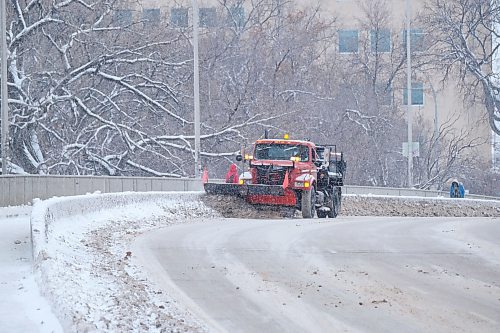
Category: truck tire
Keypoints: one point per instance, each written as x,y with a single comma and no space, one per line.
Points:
331,204
321,214
334,205
307,205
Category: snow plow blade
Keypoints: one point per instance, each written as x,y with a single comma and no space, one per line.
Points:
243,190
223,188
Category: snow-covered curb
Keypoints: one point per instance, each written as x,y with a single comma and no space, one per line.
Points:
81,256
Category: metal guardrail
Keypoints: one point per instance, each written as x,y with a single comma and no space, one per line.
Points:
22,189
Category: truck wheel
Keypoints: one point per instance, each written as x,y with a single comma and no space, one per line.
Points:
339,204
321,214
308,201
334,205
331,204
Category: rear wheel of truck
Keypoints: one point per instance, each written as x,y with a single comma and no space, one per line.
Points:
321,213
334,205
331,204
308,201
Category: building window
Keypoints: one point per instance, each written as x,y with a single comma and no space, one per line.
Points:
384,94
151,17
208,17
348,41
236,16
122,17
380,40
417,94
416,40
179,17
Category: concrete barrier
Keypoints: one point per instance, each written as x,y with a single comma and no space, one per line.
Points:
19,190
352,189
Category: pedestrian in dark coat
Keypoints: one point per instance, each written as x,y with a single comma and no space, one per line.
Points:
457,189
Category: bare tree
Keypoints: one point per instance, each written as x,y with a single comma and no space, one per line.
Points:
372,123
465,38
94,92
444,154
267,64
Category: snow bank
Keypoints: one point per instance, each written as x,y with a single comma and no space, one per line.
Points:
45,213
369,205
380,205
81,256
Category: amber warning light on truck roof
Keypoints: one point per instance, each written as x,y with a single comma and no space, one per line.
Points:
285,136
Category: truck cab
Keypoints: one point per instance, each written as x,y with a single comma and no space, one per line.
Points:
294,173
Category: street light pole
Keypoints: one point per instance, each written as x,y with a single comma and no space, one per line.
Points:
408,89
3,85
436,126
197,165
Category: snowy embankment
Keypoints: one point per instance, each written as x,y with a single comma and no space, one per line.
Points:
83,259
379,205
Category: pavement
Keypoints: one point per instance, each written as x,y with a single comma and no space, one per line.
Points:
351,274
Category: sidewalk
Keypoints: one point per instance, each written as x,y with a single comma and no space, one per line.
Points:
22,308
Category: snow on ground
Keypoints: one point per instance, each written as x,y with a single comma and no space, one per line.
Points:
22,309
371,205
84,268
90,254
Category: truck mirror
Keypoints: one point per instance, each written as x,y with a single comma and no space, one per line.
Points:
239,158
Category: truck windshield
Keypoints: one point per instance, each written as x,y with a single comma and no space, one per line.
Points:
272,151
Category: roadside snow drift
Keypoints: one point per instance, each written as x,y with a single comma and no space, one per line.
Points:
368,205
82,255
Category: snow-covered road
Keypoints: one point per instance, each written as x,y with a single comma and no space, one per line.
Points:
351,274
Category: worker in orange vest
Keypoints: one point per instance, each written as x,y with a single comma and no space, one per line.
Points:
232,175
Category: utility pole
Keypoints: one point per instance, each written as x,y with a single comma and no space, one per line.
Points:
408,89
197,165
3,85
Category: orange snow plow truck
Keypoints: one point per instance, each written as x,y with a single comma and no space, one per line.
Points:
294,173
